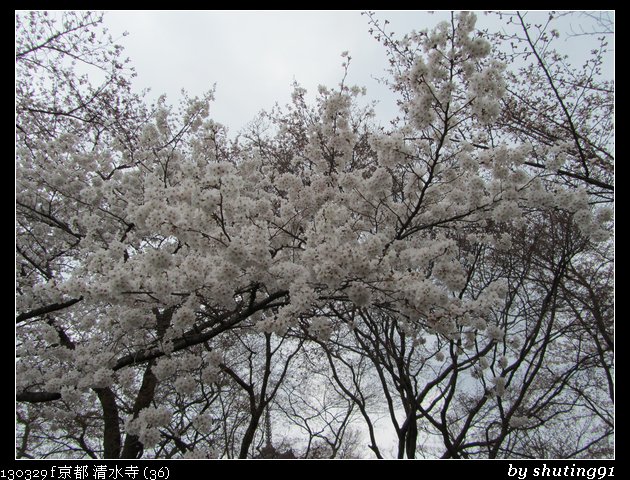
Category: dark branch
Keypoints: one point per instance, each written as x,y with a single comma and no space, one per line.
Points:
54,307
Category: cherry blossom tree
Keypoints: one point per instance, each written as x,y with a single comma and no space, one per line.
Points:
453,270
536,306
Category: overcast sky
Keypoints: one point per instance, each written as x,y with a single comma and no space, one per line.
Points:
254,56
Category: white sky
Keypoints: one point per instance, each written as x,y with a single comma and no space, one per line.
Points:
254,56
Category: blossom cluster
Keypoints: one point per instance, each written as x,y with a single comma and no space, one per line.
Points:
320,328
146,425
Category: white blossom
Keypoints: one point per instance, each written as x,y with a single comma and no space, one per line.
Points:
518,422
320,328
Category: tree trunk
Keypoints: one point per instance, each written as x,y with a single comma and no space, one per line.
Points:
248,438
133,447
111,430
